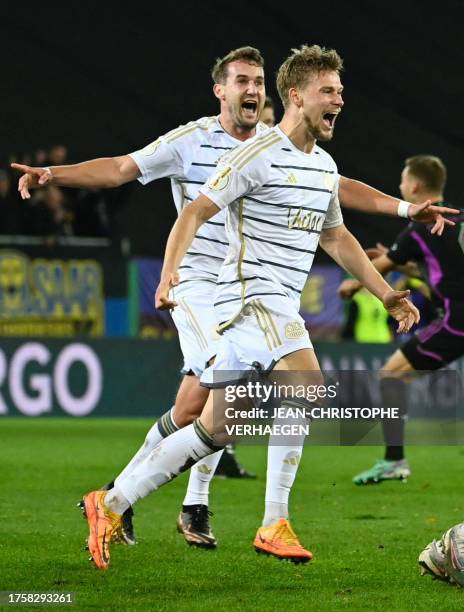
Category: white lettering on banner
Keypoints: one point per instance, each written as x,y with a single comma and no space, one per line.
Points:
42,402
78,406
3,406
32,394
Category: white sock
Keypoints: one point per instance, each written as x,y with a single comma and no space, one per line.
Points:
153,438
200,477
282,466
115,500
173,455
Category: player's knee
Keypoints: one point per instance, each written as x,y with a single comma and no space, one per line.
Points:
397,366
186,412
295,410
152,437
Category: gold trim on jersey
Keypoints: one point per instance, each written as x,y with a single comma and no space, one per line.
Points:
183,130
243,150
210,122
151,148
194,325
248,152
253,154
180,131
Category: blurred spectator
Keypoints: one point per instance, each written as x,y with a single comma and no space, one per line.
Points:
267,114
90,213
409,276
362,320
40,157
116,200
94,209
367,320
49,214
421,298
11,207
60,211
57,156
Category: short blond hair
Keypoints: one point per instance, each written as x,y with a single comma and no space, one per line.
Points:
429,169
249,55
302,65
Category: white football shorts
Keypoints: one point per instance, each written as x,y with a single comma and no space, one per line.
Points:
266,330
195,319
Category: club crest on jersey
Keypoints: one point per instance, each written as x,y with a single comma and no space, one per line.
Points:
151,148
309,221
220,180
294,330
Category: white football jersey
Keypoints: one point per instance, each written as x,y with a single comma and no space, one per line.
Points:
278,201
188,155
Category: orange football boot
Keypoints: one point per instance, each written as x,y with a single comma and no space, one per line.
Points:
102,522
280,541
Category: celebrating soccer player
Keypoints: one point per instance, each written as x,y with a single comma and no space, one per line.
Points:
271,248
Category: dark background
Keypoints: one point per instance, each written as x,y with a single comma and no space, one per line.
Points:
105,82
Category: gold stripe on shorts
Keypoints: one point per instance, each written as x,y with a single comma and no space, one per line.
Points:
194,325
262,323
270,320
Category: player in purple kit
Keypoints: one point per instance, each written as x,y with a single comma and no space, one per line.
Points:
432,347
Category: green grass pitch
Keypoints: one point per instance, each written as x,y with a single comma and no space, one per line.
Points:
365,540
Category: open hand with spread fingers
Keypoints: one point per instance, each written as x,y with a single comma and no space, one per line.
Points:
401,309
429,213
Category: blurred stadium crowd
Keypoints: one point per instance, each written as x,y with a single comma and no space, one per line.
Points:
55,212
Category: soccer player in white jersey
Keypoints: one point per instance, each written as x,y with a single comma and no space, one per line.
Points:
188,154
281,195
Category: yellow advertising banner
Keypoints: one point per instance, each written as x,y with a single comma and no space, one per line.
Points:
50,297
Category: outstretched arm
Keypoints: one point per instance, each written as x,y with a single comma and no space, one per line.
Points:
97,173
180,238
359,196
343,247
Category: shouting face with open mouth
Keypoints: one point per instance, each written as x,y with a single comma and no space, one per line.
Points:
243,94
321,104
